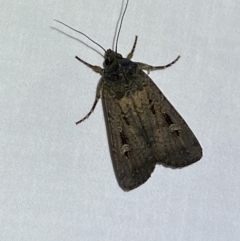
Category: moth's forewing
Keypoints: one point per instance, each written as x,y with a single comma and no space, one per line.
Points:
133,159
144,128
174,143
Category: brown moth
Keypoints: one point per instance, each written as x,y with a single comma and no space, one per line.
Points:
143,128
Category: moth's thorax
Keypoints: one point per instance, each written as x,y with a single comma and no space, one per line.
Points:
120,75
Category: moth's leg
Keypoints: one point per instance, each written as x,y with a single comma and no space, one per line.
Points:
130,55
98,95
95,68
149,68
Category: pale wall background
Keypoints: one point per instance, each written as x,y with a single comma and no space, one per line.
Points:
57,181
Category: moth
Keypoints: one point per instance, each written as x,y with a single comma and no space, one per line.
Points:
143,128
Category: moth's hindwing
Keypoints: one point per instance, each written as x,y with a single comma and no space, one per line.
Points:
145,129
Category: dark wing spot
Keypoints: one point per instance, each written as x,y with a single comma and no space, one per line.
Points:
169,121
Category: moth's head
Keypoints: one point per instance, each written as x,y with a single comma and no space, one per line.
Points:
111,58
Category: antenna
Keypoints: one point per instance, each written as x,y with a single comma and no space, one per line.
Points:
121,25
80,33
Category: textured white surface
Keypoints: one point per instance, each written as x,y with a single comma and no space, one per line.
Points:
57,181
